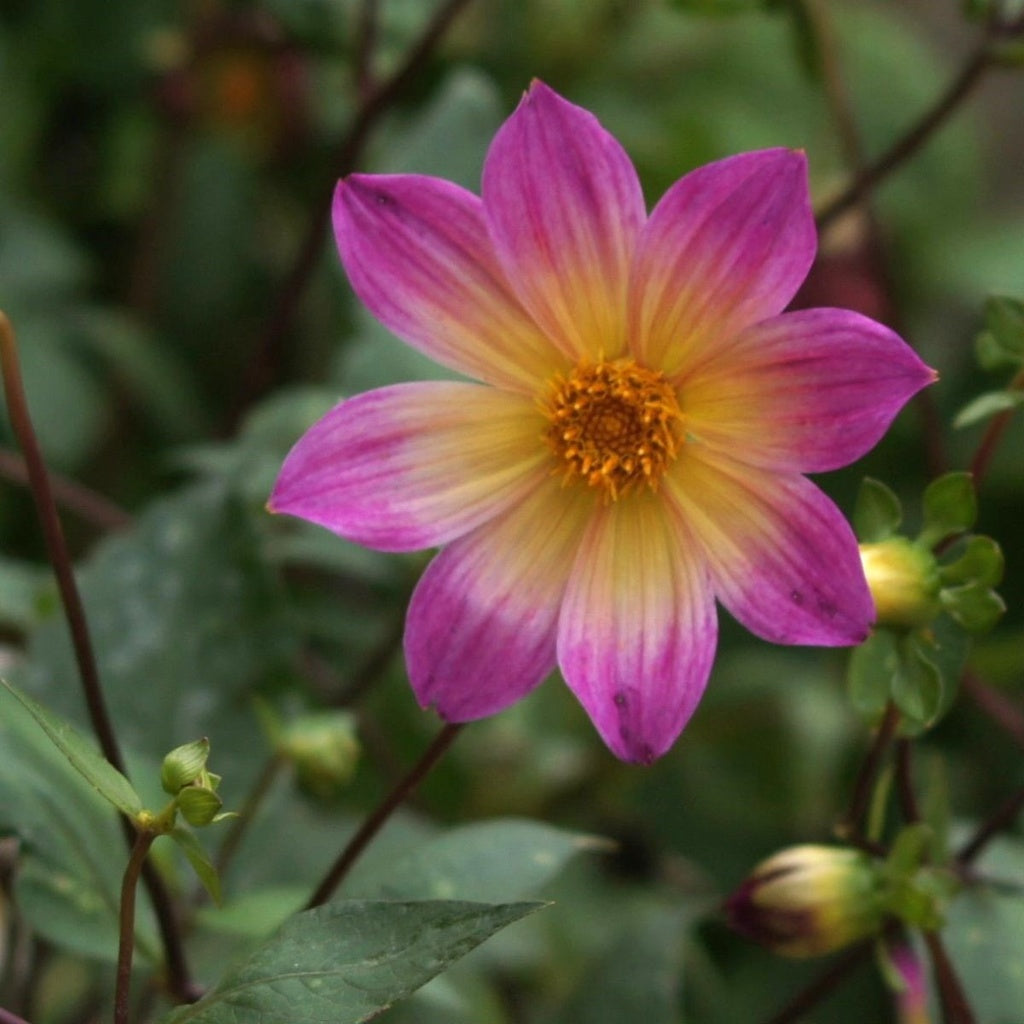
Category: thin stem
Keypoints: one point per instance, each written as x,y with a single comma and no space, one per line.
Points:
6,1017
74,612
126,944
905,782
241,824
905,147
822,986
85,503
852,825
993,435
997,706
1002,818
347,156
373,824
366,36
955,1007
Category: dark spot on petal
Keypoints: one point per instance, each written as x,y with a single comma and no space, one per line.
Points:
796,597
827,608
621,700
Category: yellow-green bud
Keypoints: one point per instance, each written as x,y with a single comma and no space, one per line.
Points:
809,900
904,582
199,805
324,749
184,765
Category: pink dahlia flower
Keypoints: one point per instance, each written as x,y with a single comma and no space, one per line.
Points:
633,444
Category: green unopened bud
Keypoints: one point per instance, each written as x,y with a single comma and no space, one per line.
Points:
184,765
809,900
324,749
904,582
199,805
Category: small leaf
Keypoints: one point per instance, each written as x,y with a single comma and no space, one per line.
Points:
950,506
986,405
878,513
975,606
98,772
980,561
1004,317
183,765
200,861
349,960
917,690
199,805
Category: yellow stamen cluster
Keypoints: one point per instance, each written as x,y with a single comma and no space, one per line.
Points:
614,425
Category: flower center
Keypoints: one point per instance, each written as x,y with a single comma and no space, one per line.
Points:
614,425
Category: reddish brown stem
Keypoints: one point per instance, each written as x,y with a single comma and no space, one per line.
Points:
955,1007
373,824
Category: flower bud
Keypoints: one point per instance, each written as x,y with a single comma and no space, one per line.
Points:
184,765
324,749
809,900
199,805
904,582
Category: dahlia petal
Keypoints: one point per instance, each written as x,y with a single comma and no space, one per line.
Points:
480,632
417,253
808,391
782,558
727,245
565,208
413,465
637,632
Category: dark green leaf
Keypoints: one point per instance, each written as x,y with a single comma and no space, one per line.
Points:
917,689
974,606
83,756
950,506
872,668
347,961
1004,317
877,514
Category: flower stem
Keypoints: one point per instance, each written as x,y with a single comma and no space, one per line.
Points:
1003,817
372,825
822,986
852,825
74,612
905,782
955,1007
126,944
974,68
993,435
374,104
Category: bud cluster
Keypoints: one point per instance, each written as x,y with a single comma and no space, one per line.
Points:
185,777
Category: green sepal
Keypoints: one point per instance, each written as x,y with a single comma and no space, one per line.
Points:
976,607
908,850
199,805
944,647
1002,341
950,507
978,560
988,404
184,765
877,513
869,675
200,861
917,689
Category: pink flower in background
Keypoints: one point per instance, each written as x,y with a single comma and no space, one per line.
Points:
635,444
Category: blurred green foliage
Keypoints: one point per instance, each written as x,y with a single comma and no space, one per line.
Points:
161,165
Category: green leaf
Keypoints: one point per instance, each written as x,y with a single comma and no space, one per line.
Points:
187,618
986,405
490,861
872,667
979,560
877,513
975,606
347,961
637,978
917,690
82,754
73,854
200,861
950,506
1004,318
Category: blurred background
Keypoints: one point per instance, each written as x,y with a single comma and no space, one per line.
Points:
182,317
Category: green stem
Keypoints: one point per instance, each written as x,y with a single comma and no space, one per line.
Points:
126,944
74,612
852,825
373,824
